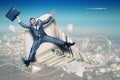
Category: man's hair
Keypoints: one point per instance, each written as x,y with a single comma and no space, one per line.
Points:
31,19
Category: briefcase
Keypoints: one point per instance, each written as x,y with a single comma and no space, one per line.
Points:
12,14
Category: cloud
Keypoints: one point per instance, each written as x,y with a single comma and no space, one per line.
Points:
70,27
99,8
12,28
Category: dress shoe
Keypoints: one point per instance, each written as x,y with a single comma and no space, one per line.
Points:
26,62
69,44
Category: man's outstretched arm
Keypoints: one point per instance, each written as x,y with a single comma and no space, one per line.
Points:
49,18
22,24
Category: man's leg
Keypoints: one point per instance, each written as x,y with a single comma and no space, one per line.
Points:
56,41
33,50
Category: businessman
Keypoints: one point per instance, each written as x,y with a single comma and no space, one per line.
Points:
40,36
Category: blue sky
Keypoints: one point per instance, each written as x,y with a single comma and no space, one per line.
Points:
90,15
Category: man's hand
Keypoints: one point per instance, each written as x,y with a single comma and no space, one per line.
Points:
52,12
18,18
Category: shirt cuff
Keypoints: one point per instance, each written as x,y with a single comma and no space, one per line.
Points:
51,15
19,21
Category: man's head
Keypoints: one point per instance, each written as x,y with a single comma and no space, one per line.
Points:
33,21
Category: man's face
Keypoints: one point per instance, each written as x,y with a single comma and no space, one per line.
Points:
33,22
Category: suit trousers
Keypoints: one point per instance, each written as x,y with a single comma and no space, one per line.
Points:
40,40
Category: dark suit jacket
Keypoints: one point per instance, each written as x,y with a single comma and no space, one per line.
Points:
37,33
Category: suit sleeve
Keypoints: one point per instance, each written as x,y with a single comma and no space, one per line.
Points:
24,25
47,20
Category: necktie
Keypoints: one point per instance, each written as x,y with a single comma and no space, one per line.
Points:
36,27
